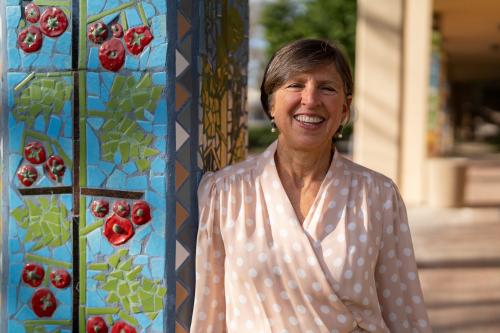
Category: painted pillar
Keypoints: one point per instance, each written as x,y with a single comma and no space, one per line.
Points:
111,110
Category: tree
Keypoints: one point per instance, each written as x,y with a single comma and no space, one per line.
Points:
287,20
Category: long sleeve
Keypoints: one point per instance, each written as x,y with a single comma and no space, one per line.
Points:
209,302
396,275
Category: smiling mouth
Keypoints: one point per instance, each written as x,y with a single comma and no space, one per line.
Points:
313,120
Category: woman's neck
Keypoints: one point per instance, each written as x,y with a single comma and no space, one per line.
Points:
302,167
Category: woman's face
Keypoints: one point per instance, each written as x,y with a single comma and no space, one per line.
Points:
309,107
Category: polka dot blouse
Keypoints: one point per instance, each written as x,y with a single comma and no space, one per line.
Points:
349,267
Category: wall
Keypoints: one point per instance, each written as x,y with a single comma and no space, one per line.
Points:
133,133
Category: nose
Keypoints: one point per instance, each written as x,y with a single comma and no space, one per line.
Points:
310,96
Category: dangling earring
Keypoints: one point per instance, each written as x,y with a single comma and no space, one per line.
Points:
273,125
338,134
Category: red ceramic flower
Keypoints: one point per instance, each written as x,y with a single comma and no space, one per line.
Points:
141,213
121,208
112,54
100,208
32,13
35,152
53,22
122,327
97,325
30,39
27,175
118,230
117,30
43,302
60,278
55,168
97,32
33,274
137,38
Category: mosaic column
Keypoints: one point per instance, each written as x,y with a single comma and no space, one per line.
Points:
111,111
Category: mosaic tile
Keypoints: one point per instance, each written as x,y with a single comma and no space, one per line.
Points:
180,215
180,63
183,26
180,135
180,254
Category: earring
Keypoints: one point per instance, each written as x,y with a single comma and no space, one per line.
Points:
338,134
273,125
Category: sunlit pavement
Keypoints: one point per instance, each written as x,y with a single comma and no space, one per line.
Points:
458,251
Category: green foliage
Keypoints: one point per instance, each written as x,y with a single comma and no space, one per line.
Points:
260,137
288,20
129,99
126,286
46,223
44,95
35,328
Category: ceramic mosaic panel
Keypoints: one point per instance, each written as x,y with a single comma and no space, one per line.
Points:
101,157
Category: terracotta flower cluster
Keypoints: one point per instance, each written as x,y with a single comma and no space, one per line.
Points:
43,301
35,153
111,51
98,325
51,23
118,229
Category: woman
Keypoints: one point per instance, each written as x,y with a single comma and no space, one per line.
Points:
300,239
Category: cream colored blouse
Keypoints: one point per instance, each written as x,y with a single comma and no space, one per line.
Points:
349,267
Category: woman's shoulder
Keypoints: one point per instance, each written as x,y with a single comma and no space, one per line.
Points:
367,174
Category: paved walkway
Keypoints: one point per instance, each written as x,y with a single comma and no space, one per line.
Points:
458,251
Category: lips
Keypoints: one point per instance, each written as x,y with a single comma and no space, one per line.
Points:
308,119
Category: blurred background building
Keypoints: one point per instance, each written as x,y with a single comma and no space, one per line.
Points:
426,114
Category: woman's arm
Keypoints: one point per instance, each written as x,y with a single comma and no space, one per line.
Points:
209,301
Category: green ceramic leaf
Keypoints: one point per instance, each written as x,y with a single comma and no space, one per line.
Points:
142,165
19,214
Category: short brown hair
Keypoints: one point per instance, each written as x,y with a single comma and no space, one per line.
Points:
301,56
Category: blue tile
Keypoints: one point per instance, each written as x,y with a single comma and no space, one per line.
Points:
61,253
15,133
48,46
148,115
158,322
159,25
14,245
44,252
142,232
62,61
160,79
67,178
158,268
14,58
141,260
161,6
144,58
161,144
130,167
67,146
14,162
93,62
94,103
95,7
107,248
64,296
107,167
146,272
15,272
155,245
96,123
107,80
131,62
159,185
159,165
54,126
93,84
133,17
27,59
135,248
161,112
160,130
93,300
13,2
138,183
143,320
39,124
17,258
149,10
15,327
116,180
63,43
110,4
25,314
93,147
13,14
63,312
25,293
110,18
96,177
159,221
42,61
145,125
155,200
158,56
12,299
93,244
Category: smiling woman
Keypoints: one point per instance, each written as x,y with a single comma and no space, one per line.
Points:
300,239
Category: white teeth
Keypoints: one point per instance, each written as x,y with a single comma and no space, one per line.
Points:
308,119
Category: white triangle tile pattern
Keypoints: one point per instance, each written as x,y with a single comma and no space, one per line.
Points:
181,254
180,63
180,136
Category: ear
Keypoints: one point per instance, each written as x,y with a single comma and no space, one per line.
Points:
346,109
